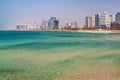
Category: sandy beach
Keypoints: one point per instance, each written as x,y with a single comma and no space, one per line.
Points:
100,31
88,31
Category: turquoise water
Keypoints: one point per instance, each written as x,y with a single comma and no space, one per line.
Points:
33,55
52,40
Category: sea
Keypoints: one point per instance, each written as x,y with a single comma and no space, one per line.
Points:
45,55
42,40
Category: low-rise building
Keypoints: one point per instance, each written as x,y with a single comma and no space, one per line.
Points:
22,27
115,26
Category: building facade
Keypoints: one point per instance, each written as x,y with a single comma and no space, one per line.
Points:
104,20
118,17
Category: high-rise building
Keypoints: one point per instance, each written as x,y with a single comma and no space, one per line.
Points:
104,20
93,21
118,17
88,22
112,18
53,23
97,20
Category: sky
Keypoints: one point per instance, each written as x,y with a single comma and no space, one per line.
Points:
15,12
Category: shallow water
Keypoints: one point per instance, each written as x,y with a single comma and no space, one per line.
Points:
32,55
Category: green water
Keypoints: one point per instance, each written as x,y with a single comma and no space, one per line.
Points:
32,55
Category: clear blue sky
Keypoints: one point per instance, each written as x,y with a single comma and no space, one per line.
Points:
13,12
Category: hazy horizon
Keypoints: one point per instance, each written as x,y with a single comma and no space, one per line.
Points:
13,12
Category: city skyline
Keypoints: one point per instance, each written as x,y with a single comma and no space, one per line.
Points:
15,12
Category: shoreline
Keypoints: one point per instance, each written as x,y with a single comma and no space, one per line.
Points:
101,31
86,31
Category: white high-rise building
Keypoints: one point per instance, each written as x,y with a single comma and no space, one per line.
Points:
93,21
112,18
104,20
